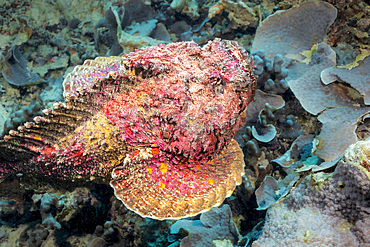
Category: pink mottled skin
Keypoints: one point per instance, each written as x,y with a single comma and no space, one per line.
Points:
182,100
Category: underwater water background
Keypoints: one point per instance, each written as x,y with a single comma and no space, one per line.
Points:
300,186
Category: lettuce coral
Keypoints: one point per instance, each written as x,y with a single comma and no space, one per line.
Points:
358,77
292,31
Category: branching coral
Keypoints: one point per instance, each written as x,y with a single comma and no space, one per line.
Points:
271,74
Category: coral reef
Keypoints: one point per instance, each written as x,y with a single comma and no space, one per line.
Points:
26,113
216,224
45,208
266,131
325,208
311,102
149,113
189,8
306,59
271,74
345,110
304,228
56,220
53,92
357,78
350,28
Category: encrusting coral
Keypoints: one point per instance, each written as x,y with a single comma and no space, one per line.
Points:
160,121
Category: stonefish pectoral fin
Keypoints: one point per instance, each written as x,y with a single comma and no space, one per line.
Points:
157,187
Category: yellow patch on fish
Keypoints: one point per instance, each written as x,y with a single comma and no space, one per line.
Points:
163,167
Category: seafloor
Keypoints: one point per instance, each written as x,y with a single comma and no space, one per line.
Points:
311,103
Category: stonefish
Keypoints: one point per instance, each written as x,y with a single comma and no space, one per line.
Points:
158,123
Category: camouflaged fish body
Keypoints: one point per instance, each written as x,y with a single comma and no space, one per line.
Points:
158,123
